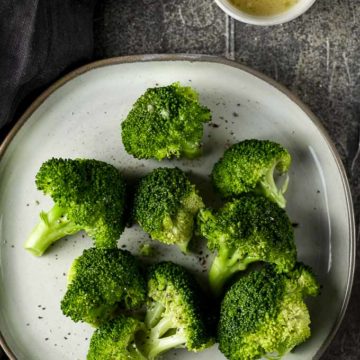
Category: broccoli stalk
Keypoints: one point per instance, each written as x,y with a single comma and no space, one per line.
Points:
191,150
174,318
53,226
225,264
158,339
163,337
268,187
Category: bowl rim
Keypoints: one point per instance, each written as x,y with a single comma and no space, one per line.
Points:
292,13
212,59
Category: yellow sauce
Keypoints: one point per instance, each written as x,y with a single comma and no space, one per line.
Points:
264,7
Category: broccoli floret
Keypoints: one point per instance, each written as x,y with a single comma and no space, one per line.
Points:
100,282
249,166
175,315
164,122
116,340
173,319
263,314
165,206
249,229
88,194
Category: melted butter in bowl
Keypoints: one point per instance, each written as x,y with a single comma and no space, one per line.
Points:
265,12
264,7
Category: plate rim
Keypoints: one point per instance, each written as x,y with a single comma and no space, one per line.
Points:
223,61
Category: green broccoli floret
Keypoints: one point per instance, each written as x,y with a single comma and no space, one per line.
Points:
115,340
175,315
100,282
88,194
174,319
249,229
165,206
263,314
249,166
164,122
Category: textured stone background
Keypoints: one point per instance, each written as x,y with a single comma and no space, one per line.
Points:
316,56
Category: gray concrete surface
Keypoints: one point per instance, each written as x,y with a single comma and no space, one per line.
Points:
317,56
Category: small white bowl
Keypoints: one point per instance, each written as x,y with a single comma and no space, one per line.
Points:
298,9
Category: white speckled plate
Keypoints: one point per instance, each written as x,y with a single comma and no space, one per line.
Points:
80,116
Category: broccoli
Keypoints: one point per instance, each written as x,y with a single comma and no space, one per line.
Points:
164,122
88,194
263,314
116,340
146,250
249,166
249,229
174,315
173,319
101,282
165,206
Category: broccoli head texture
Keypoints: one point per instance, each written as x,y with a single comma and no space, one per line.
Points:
245,230
102,282
264,314
165,206
115,340
88,195
249,166
174,315
164,122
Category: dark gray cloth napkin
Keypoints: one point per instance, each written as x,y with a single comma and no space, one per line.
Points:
39,41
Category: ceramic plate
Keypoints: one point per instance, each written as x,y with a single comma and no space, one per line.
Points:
80,117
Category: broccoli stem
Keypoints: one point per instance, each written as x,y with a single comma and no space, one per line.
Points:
153,314
134,352
268,187
53,226
183,246
191,150
159,346
156,344
274,356
164,325
224,265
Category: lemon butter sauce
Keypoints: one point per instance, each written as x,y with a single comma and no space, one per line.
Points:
263,7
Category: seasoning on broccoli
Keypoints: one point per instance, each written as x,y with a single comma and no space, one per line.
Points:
88,194
264,315
249,229
165,122
249,166
102,282
165,206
